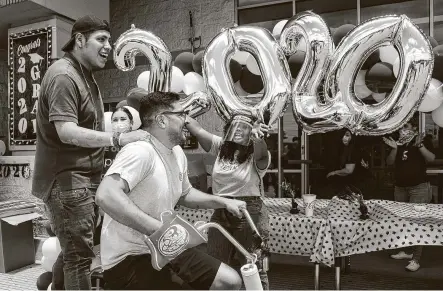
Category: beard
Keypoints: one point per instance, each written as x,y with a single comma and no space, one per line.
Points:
177,138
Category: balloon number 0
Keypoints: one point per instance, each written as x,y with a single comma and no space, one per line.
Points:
272,63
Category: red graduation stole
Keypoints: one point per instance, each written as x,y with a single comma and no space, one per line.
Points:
174,237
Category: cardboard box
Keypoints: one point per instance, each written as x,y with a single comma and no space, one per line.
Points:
16,242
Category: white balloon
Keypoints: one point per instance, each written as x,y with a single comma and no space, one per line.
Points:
252,65
108,121
51,248
388,54
193,82
379,97
433,97
143,80
361,90
278,28
136,121
177,80
241,57
437,116
239,89
47,263
396,66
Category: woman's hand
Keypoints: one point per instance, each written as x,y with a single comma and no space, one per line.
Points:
259,130
391,142
330,174
419,139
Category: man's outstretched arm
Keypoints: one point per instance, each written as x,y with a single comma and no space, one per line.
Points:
200,200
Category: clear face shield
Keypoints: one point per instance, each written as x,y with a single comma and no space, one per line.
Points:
406,135
240,130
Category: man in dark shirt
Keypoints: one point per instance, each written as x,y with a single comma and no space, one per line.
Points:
70,142
409,155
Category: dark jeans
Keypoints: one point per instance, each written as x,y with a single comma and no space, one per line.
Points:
196,268
221,248
420,193
73,216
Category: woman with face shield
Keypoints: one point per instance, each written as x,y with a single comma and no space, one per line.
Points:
242,161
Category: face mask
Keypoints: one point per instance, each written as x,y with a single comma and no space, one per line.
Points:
121,126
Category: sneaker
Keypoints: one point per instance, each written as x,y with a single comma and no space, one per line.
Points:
412,266
401,256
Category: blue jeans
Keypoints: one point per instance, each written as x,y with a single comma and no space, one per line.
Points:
221,248
420,193
73,215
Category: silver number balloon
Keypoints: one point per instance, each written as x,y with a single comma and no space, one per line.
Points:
196,103
134,41
273,66
341,67
311,108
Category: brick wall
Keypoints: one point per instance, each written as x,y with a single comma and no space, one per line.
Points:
168,19
4,98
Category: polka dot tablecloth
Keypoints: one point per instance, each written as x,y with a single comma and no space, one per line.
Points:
335,230
291,234
390,225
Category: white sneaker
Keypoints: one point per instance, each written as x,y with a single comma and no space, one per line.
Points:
412,266
401,256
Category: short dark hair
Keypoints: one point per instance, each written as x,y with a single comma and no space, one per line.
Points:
155,102
83,25
70,46
125,110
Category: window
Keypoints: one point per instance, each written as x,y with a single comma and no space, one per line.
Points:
322,146
265,16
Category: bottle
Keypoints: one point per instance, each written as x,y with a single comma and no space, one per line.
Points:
251,278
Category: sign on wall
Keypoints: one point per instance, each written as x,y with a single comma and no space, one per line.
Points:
29,58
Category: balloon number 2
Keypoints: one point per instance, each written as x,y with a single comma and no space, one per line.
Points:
134,41
337,69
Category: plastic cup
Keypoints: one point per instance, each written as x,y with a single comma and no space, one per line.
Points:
309,202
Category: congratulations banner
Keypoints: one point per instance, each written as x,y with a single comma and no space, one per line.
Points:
29,58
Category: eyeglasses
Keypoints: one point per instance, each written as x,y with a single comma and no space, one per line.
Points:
178,113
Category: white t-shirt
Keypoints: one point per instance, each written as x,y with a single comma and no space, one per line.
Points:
234,179
140,165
